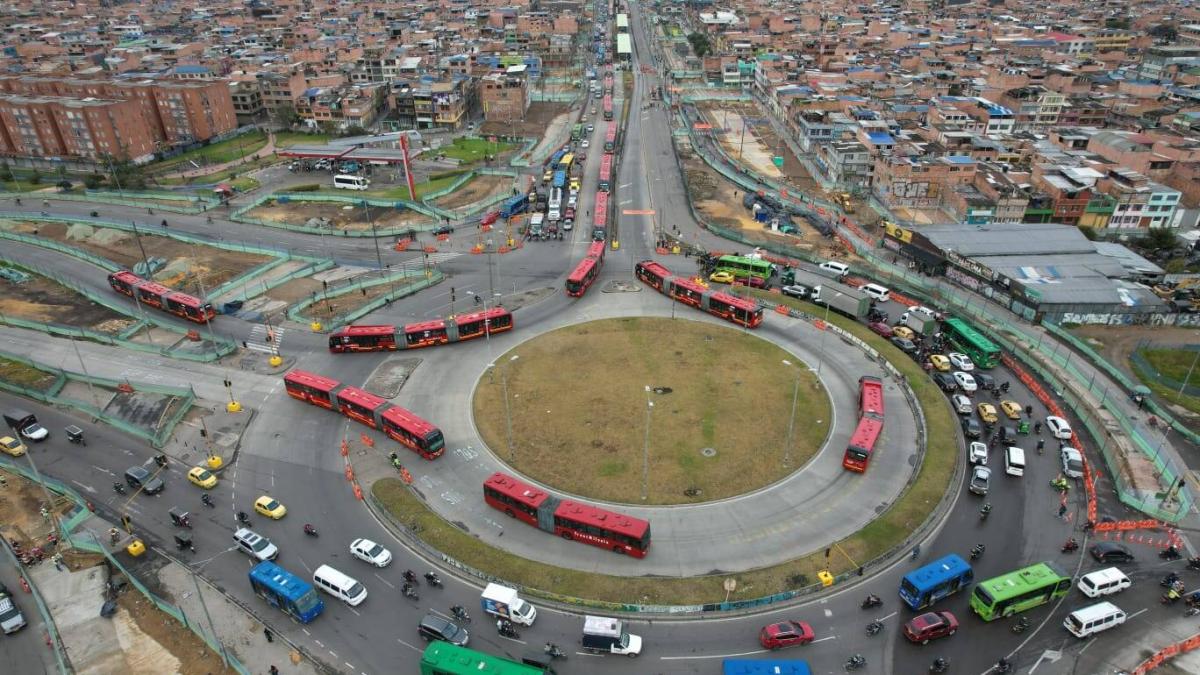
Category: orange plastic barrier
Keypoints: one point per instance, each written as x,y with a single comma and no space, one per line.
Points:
1166,653
345,448
486,227
349,473
367,440
358,493
477,249
503,249
430,249
443,237
781,309
402,245
406,476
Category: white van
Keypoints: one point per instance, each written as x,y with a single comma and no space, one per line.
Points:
1014,461
1103,582
1093,619
837,268
879,293
339,585
347,182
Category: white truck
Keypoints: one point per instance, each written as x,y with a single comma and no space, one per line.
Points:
504,603
602,635
554,212
922,324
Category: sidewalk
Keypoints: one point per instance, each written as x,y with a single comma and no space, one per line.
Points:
266,150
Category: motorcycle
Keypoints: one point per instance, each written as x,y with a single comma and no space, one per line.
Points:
409,592
433,579
871,601
939,665
553,651
984,511
1169,580
1060,484
207,501
1172,596
976,551
161,460
1170,553
410,577
119,488
1191,611
1193,563
460,614
1003,666
310,530
1021,625
855,662
243,518
1070,545
506,629
874,627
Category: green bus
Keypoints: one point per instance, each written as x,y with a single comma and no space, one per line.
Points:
577,132
443,658
1018,591
983,352
742,267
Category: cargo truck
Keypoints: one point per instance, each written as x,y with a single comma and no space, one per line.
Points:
503,602
920,323
843,299
602,635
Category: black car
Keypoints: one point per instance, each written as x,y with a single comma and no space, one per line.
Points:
971,427
1008,435
444,229
945,381
984,380
1111,552
907,346
434,627
139,477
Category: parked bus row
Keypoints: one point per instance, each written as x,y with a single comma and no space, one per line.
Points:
156,295
718,303
364,338
870,424
565,518
586,271
366,408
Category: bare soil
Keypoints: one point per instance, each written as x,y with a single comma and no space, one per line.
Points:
476,190
1116,343
763,134
537,120
20,511
188,265
342,216
349,302
41,299
193,654
295,290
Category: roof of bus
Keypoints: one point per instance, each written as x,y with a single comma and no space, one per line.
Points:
287,584
760,667
528,494
366,330
598,517
656,268
866,433
937,571
596,250
361,397
155,288
450,658
311,379
476,316
745,259
126,276
871,389
185,299
406,419
1018,581
436,324
734,301
582,269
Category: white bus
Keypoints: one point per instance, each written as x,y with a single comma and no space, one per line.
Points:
348,182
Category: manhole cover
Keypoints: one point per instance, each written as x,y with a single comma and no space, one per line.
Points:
708,452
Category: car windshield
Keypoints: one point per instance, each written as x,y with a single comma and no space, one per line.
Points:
203,474
259,544
375,551
1075,465
271,505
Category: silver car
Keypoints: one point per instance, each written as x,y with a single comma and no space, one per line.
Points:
981,477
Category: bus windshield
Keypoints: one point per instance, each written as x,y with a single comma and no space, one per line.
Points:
435,441
307,602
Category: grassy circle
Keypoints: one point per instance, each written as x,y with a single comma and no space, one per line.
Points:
578,407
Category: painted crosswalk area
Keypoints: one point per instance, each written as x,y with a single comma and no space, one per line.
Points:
263,339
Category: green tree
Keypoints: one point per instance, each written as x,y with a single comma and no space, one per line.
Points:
1158,239
35,177
93,181
1163,31
1118,22
700,44
287,116
5,172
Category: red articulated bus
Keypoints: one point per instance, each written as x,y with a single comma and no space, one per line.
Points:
718,303
605,180
156,295
568,519
388,338
600,214
608,107
610,138
870,424
401,425
586,272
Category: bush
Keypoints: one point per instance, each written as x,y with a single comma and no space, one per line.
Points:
310,187
93,181
36,177
447,174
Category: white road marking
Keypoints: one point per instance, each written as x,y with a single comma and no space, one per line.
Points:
626,185
88,488
828,612
831,637
389,584
348,664
512,639
333,653
713,656
103,470
415,649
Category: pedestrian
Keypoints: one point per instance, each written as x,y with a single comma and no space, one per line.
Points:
268,634
273,670
1062,510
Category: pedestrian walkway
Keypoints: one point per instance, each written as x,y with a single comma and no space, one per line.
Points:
268,340
210,169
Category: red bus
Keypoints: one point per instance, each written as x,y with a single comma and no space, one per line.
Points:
600,214
568,519
870,424
311,388
374,411
412,431
157,295
384,338
582,277
608,107
610,138
737,310
596,250
605,173
608,83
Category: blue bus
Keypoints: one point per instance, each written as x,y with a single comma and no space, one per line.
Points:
556,158
560,179
764,667
926,585
286,591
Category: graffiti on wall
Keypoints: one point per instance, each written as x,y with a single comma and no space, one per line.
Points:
962,278
1113,319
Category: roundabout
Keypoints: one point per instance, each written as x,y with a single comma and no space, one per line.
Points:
701,412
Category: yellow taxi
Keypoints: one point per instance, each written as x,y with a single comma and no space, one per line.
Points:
201,477
903,332
721,277
12,446
940,362
1012,409
547,176
987,413
269,507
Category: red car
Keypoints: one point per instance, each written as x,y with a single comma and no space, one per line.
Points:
881,329
930,626
785,634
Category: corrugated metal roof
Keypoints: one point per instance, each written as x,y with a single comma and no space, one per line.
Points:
1008,239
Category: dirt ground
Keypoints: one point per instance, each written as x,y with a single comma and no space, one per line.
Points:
476,190
537,119
351,301
194,656
720,203
764,135
20,519
295,290
342,216
41,299
188,266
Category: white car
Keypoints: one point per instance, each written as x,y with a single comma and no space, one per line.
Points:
922,309
961,361
1072,463
35,432
1059,428
584,143
962,404
978,453
980,479
368,551
965,382
572,201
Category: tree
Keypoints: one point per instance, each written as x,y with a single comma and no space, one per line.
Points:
1158,239
700,44
1118,22
1089,232
287,116
93,181
1163,31
5,172
35,177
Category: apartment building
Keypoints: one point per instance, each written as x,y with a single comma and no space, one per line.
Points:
88,129
504,97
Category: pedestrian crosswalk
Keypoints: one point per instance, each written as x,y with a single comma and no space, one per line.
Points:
265,340
418,263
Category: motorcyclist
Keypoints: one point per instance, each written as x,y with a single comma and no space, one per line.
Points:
409,576
872,600
985,509
242,517
1037,428
977,550
309,529
114,534
1003,666
206,499
939,664
458,611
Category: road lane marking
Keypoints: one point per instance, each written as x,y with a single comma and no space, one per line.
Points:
831,637
713,656
385,581
415,649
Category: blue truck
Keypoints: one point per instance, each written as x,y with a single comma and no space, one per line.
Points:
560,179
514,206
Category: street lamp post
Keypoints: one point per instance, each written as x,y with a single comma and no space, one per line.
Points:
646,447
787,447
512,453
824,329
